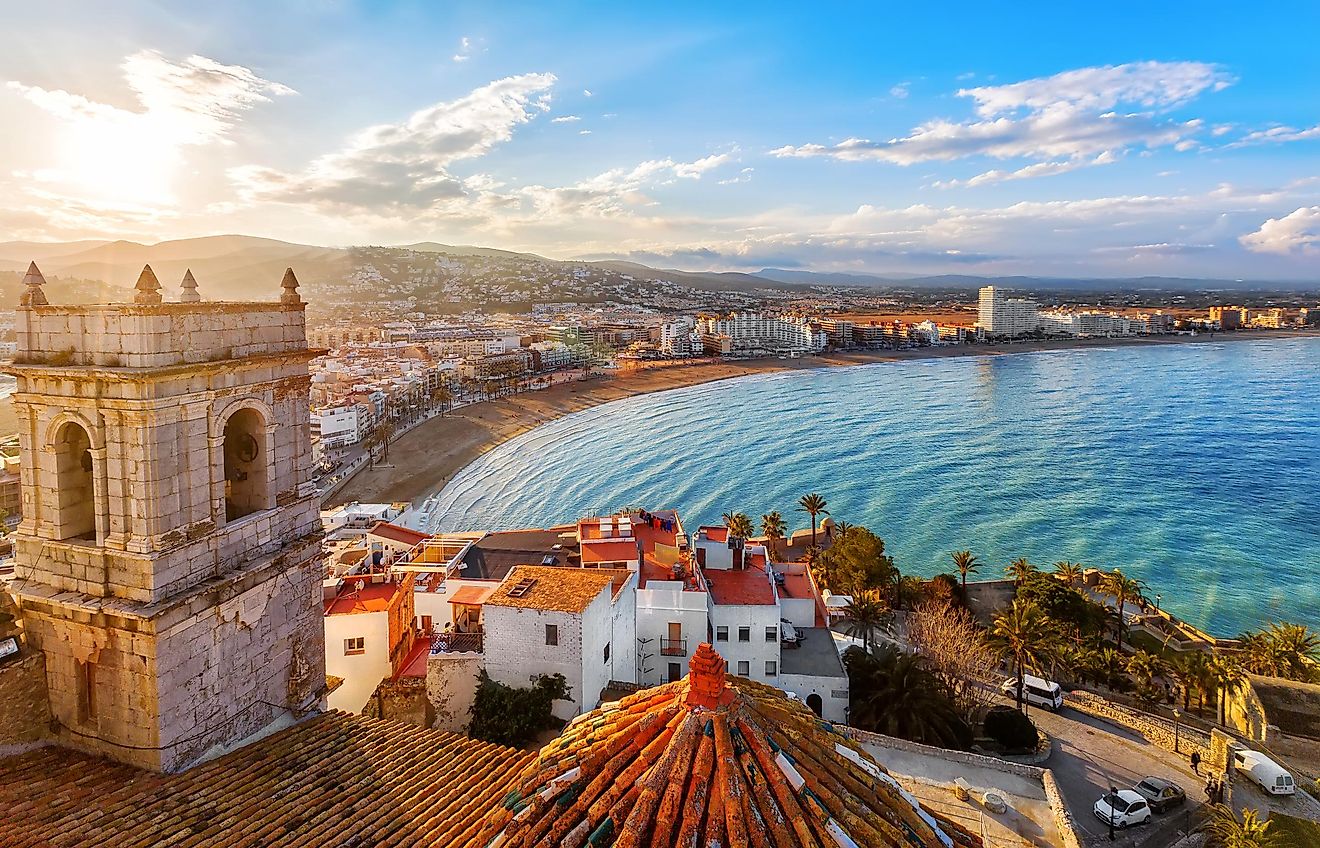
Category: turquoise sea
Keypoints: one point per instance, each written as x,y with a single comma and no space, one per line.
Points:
1195,467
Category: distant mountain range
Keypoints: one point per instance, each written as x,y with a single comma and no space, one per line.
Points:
247,267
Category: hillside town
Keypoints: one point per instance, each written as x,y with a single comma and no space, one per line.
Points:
765,677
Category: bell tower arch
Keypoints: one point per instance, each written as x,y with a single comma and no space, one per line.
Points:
167,558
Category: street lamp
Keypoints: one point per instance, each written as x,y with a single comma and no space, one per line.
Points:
1176,716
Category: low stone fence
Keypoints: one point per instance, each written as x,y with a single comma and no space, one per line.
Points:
1063,820
1157,730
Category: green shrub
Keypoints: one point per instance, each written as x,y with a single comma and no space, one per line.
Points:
508,716
1011,729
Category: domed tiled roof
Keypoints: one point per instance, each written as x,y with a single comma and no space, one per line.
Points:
709,761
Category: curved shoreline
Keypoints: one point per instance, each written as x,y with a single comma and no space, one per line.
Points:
427,458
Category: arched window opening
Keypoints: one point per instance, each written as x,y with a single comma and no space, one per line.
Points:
75,493
814,701
245,464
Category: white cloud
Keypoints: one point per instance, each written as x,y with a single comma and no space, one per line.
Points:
464,50
694,170
1296,232
1153,85
393,167
1070,115
744,176
195,101
586,92
565,119
1278,135
1039,169
900,91
584,132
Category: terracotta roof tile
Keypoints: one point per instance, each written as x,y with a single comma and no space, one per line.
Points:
335,779
561,589
709,760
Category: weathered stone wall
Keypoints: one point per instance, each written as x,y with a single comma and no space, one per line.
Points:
401,700
24,715
131,335
451,689
1158,731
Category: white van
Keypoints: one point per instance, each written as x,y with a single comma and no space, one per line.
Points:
1038,692
1270,775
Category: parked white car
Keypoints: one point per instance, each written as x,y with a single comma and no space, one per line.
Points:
1123,808
1271,776
1037,693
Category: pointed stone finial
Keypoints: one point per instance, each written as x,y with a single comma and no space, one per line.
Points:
189,286
33,295
707,686
147,289
290,288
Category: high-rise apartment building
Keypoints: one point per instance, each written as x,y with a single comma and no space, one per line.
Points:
1000,315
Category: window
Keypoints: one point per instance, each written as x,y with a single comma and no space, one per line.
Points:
245,464
744,668
744,634
771,668
772,634
607,652
356,645
75,513
552,634
86,691
721,634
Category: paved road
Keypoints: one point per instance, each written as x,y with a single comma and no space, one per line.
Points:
1091,755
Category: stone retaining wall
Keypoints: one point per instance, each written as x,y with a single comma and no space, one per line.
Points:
1063,820
1158,731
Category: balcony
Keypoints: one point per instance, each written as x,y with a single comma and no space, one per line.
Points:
453,642
673,647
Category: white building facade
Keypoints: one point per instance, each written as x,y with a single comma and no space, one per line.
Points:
1005,316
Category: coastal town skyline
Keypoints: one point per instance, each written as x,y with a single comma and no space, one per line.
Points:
696,139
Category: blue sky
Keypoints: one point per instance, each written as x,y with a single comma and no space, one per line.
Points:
1055,139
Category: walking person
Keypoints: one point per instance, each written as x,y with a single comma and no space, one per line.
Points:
1196,763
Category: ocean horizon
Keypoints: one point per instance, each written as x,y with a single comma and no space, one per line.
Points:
1195,468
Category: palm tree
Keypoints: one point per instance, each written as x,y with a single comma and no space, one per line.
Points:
1284,650
1023,636
739,524
864,615
773,526
1122,589
1021,570
1069,572
1188,670
1226,677
441,396
966,564
814,505
897,694
1223,830
841,529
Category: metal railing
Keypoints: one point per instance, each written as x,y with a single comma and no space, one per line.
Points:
673,647
452,642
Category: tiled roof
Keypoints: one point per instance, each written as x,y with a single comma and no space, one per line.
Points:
335,780
710,760
361,595
395,533
739,586
619,550
558,589
472,595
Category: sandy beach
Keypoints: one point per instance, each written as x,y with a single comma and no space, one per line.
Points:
423,460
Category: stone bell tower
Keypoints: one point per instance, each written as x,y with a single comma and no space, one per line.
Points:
167,559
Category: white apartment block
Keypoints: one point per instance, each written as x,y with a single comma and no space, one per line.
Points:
1000,315
750,332
680,338
339,425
